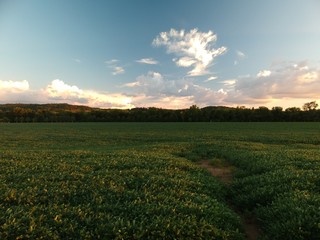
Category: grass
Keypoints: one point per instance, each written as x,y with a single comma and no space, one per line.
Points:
136,180
107,181
277,176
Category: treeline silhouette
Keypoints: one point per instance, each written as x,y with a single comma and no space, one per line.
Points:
72,113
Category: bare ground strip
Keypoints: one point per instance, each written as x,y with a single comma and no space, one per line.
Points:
224,173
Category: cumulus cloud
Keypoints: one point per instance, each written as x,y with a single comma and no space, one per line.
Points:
113,65
159,91
154,84
289,81
18,92
289,84
59,91
14,86
149,61
193,49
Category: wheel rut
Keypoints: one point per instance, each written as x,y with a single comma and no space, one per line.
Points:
224,174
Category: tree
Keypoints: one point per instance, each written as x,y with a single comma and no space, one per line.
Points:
194,113
277,113
309,106
293,109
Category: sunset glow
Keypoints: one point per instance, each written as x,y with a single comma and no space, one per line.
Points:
168,54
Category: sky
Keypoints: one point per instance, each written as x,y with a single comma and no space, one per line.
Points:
167,54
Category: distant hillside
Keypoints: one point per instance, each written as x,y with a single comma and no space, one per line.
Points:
55,107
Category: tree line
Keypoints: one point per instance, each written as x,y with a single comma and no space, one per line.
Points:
72,113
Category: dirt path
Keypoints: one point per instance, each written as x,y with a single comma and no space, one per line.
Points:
224,173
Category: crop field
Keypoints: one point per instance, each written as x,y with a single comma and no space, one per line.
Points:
142,180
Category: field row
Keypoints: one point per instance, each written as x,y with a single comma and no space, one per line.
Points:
277,179
138,181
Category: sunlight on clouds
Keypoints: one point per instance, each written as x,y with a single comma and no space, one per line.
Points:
109,100
194,49
211,79
62,92
175,102
283,82
309,77
161,92
16,92
230,82
14,86
131,84
166,102
59,88
185,61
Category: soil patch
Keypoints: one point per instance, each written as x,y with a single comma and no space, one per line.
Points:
224,173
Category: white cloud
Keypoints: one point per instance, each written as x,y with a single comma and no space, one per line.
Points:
166,102
116,70
18,92
240,54
154,84
59,91
14,86
160,92
286,85
264,73
194,49
149,61
283,82
230,82
185,61
239,57
132,84
211,79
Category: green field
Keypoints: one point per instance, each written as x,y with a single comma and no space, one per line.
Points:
141,180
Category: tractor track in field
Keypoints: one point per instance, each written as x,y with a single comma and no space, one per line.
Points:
224,174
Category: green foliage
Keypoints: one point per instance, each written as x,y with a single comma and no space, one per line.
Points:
309,106
294,215
107,181
73,113
277,176
134,180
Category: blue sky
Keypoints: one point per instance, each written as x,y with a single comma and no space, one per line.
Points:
168,53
